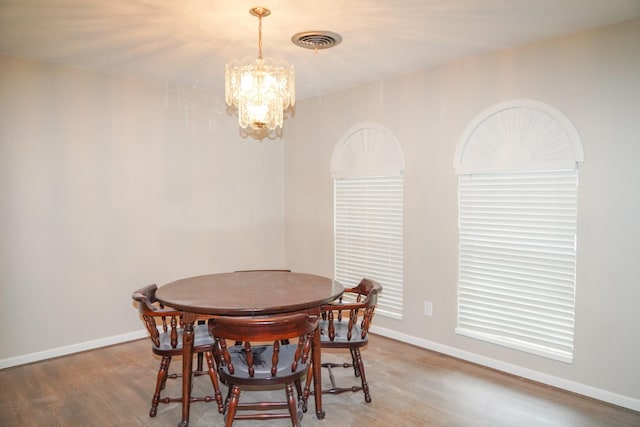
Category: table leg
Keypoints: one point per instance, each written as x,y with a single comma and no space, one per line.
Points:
317,372
187,366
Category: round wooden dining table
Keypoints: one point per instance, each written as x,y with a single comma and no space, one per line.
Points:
247,293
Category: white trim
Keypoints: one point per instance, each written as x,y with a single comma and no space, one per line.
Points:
73,348
518,135
561,383
367,149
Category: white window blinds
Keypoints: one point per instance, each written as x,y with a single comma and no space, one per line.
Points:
368,236
517,260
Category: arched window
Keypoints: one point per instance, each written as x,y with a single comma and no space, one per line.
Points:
367,167
517,167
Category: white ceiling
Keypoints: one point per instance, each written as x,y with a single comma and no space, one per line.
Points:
189,41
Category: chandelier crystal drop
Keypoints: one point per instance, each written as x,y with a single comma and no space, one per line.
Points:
260,89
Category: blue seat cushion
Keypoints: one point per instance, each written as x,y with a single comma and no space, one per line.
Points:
201,337
262,361
342,328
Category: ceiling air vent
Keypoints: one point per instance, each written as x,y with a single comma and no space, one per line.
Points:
316,39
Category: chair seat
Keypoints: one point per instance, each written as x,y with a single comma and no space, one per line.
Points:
201,337
341,339
262,362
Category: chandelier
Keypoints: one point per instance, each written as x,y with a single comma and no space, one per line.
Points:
260,89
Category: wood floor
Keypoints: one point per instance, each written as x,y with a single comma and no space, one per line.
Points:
410,387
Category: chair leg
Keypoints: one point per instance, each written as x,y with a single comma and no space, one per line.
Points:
291,402
354,358
160,382
199,363
214,380
299,392
200,357
166,373
365,386
307,387
232,405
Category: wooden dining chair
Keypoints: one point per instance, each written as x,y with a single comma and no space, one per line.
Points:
263,366
166,338
345,325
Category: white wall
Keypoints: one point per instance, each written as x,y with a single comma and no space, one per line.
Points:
108,184
594,79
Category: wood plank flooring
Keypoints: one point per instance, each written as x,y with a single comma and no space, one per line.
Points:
410,387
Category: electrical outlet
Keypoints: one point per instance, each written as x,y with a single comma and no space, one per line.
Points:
428,308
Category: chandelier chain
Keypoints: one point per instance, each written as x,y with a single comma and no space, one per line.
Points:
260,36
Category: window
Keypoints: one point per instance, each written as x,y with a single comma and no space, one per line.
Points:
367,168
517,210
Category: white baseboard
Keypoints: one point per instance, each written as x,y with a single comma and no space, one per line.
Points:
70,349
585,390
582,389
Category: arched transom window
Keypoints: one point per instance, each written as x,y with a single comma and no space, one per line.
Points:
517,167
